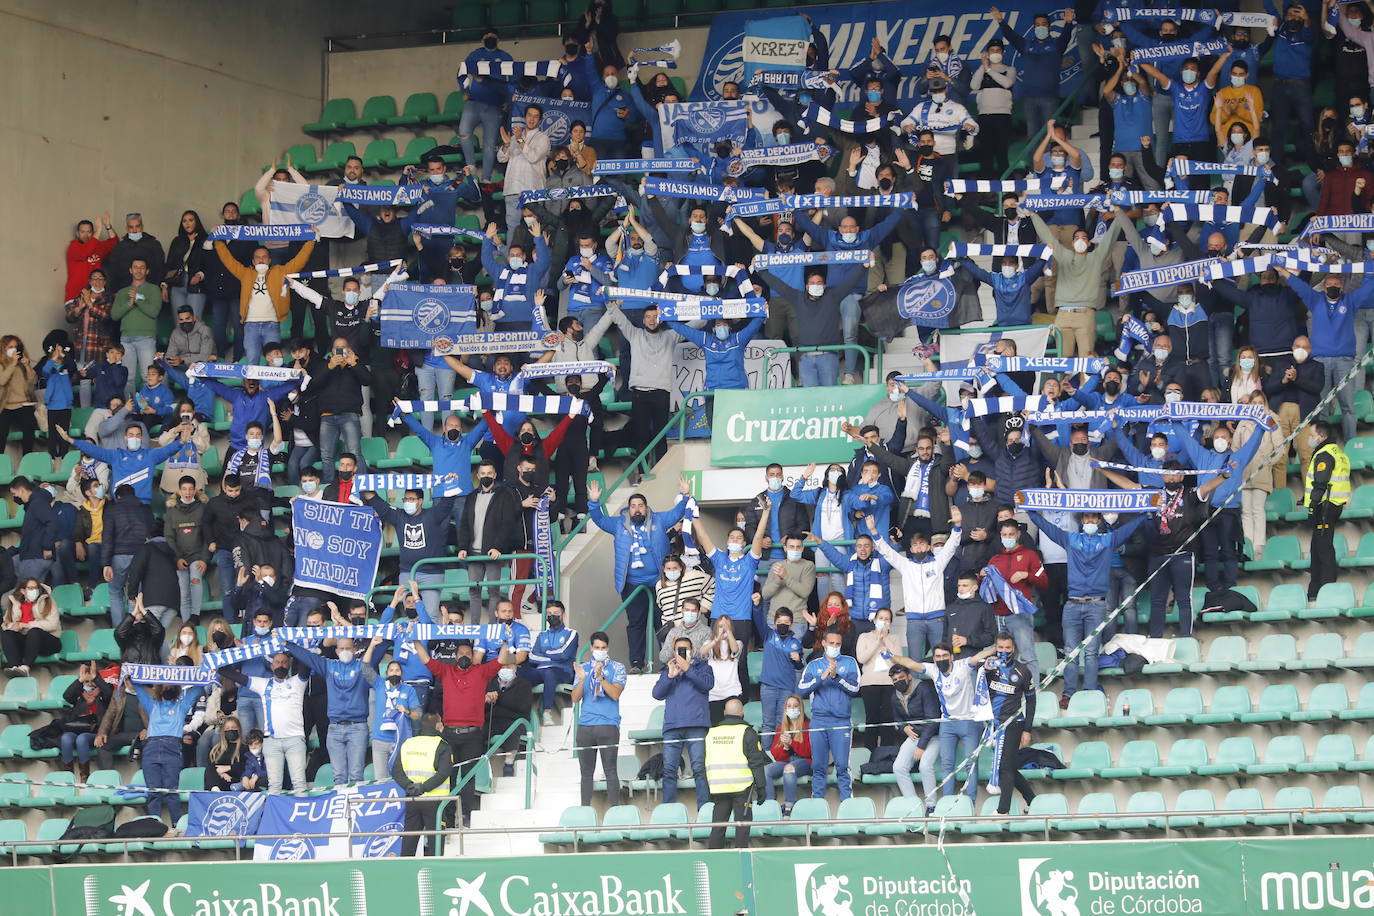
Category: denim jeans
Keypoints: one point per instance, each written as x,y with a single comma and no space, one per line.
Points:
119,565
830,739
77,746
906,759
347,751
1022,629
430,596
480,571
138,353
961,736
381,755
435,385
162,612
298,607
1161,111
37,568
489,116
800,767
249,711
1122,584
288,754
192,593
819,370
922,634
1223,333
181,295
162,770
637,615
774,699
300,458
224,571
1081,617
1336,368
256,335
334,426
1179,577
549,678
675,740
225,320
1038,109
850,314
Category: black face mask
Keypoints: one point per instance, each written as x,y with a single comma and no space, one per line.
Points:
901,685
884,184
527,438
571,48
280,672
944,665
1240,44
464,662
1333,293
186,325
222,639
489,42
486,482
560,166
171,693
394,680
920,556
578,336
358,621
784,629
924,150
231,736
1014,448
412,613
1080,448
453,435
345,475
555,622
1112,388
1173,487
574,391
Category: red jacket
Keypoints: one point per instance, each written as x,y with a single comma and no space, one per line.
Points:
801,746
465,692
1338,187
82,258
1019,559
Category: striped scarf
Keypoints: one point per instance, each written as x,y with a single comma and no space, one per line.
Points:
818,114
983,407
708,309
182,675
500,402
346,271
562,370
1157,277
995,587
591,190
917,486
984,186
875,577
405,407
435,229
236,654
1132,469
376,482
1066,202
1353,222
1086,365
1037,499
1139,198
350,631
1321,267
691,555
1241,267
765,261
539,69
791,154
1133,332
262,472
665,187
1211,213
1185,168
968,250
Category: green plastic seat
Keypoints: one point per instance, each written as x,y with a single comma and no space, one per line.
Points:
1224,653
989,809
336,113
1278,504
1321,650
102,646
806,809
1339,800
1276,703
1089,759
1282,755
653,729
1236,800
855,808
414,150
617,816
57,790
419,106
1142,803
377,153
1085,708
1190,807
1366,607
1361,503
35,465
1187,652
626,769
1366,761
19,693
1046,707
374,451
50,831
1332,601
1046,656
765,817
335,155
1330,753
1364,553
1101,805
68,597
14,740
951,806
6,470
100,787
900,815
1045,805
1135,760
1273,653
1228,704
1185,756
52,699
1181,705
1234,754
1299,797
1131,706
1279,553
399,460
1285,601
1361,654
452,112
576,816
375,112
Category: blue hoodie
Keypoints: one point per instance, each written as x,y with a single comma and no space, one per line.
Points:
1292,47
167,718
487,90
555,649
57,387
133,468
606,124
1012,297
346,683
450,457
724,358
1333,323
833,696
654,535
1038,61
685,697
1090,555
1227,494
249,408
779,670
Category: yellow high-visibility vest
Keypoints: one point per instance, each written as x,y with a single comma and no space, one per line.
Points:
1338,489
417,760
727,766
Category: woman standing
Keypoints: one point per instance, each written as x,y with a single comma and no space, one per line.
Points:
829,521
187,261
392,701
17,399
874,652
1247,377
1268,469
31,626
791,752
677,584
722,653
185,646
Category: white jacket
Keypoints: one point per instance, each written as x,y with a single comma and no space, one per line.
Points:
525,163
923,584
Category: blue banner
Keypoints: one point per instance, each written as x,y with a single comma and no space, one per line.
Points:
907,30
926,301
703,124
443,318
559,114
305,820
543,547
224,814
337,546
287,232
381,195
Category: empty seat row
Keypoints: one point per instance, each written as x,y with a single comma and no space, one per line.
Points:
1184,705
1275,652
1236,755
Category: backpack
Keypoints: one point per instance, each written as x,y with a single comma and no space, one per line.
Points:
92,823
651,768
140,827
1226,599
1037,758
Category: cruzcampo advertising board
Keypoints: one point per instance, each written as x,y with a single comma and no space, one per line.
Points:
751,428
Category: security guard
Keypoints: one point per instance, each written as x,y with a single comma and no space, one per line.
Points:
734,771
1326,491
422,769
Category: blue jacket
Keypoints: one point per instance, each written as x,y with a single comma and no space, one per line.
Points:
685,697
1087,395
880,509
412,669
488,90
1090,555
450,457
109,380
39,531
724,358
831,697
515,289
248,408
655,538
159,398
861,605
1292,46
347,684
1038,62
405,695
57,386
555,649
778,668
167,718
1333,323
606,124
133,468
1012,297
813,496
1139,459
201,395
1227,494
1273,309
830,240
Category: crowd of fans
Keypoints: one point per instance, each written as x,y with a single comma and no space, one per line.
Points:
804,573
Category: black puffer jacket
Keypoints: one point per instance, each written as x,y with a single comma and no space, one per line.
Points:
127,524
154,574
140,642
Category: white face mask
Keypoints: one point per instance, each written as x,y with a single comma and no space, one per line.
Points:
269,581
1090,527
588,253
735,548
345,655
793,555
1186,301
1222,446
965,595
1158,452
815,290
849,238
672,575
880,625
610,81
11,352
995,57
929,266
722,332
1161,354
1313,442
1262,157
133,443
1057,162
793,713
1237,139
698,227
832,651
976,492
1129,88
254,443
260,268
411,507
690,618
31,595
1080,245
600,655
186,638
1173,397
833,476
1299,354
1237,82
1247,363
516,263
1008,272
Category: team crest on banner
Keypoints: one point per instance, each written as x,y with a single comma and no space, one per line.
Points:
224,814
704,123
926,300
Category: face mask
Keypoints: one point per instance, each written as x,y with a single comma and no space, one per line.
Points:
794,555
712,289
280,672
880,625
1009,543
1151,219
1237,82
587,253
254,443
1004,656
672,575
31,594
1157,246
1346,161
722,332
735,548
1008,272
929,266
505,675
1129,88
832,651
515,263
784,630
1189,77
437,179
1112,388
939,97
874,95
260,268
1057,161
346,655
1080,448
849,238
1080,245
1173,397
1246,363
1357,112
690,618
1015,447
1186,300
698,227
394,680
638,519
1333,293
966,595
98,492
1042,32
944,665
600,655
815,290
1222,446
1299,354
1116,174
1090,527
411,507
1158,452
464,662
133,443
1262,157
1161,354
995,57
976,492
975,451
793,713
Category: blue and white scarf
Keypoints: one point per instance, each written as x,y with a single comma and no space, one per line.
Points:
346,271
284,232
635,166
987,186
181,675
639,542
1321,267
789,202
381,195
1066,202
995,587
500,402
1157,277
791,154
728,271
1351,222
437,230
1085,365
1189,14
236,654
917,485
363,483
818,114
234,370
876,579
1182,49
1184,168
1133,331
539,69
843,256
666,187
952,374
969,250
697,308
577,193
349,631
1241,267
405,407
563,370
983,407
425,632
791,79
1101,501
1139,198
262,470
1211,213
543,547
691,554
1132,469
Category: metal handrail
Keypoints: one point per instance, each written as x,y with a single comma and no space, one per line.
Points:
866,352
649,636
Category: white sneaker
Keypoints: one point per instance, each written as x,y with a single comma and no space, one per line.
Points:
994,790
848,379
549,720
591,464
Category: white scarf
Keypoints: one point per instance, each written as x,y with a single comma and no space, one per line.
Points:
875,576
